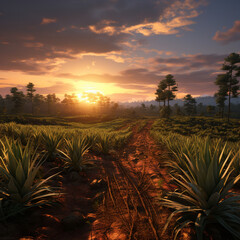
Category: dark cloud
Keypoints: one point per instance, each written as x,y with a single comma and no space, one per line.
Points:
189,63
36,34
231,35
198,82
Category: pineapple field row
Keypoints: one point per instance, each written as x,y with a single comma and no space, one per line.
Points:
123,179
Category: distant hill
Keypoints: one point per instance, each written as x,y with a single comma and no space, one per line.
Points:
206,100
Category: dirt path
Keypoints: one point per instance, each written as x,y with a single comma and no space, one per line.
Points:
136,177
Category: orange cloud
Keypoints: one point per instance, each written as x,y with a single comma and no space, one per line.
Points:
48,20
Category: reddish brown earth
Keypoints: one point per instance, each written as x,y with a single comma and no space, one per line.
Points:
135,178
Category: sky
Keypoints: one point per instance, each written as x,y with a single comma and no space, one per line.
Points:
122,48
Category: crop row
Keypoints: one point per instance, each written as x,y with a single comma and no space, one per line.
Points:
205,171
24,149
200,126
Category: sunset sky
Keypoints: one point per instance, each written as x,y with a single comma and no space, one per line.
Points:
122,48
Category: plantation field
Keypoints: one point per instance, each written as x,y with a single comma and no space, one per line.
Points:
205,164
35,157
120,179
200,126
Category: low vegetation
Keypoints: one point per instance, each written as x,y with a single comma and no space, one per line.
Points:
199,126
24,149
205,170
74,152
21,186
204,163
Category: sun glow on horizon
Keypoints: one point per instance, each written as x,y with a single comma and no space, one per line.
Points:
90,96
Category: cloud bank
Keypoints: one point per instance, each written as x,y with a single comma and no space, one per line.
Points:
36,36
231,35
194,73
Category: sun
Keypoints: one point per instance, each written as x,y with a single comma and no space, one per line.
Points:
90,96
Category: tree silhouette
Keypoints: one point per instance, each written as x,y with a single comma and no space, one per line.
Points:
30,93
210,109
171,87
161,94
143,106
38,100
220,101
189,104
2,104
51,99
177,109
71,102
228,82
104,102
17,98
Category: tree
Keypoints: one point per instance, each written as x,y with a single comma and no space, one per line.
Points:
115,106
177,110
38,100
71,102
17,98
210,109
171,87
70,99
200,109
160,92
165,112
220,101
51,99
2,104
189,104
104,101
152,107
228,82
143,106
30,93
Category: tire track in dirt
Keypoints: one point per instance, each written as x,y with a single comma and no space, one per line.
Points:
135,177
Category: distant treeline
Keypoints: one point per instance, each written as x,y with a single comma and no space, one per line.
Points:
199,109
16,102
